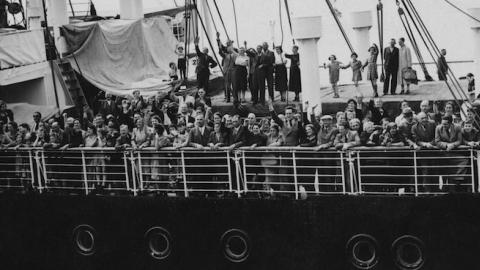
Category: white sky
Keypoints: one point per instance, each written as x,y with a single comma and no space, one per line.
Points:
449,28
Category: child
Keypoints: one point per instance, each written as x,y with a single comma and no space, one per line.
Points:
334,73
180,136
124,140
356,66
346,139
372,74
173,71
393,137
181,63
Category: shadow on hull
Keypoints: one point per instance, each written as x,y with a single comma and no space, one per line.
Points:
69,232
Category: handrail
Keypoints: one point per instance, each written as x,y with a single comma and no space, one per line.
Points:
274,171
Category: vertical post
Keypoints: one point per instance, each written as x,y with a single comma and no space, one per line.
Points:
229,171
475,26
134,178
45,175
245,187
30,160
307,32
342,165
472,170
39,174
360,189
478,171
185,190
84,166
140,170
295,180
361,24
237,173
415,171
127,176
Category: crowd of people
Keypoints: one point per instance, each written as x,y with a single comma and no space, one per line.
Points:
181,120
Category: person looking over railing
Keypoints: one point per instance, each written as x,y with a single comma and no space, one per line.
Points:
217,137
393,137
470,135
199,135
124,140
238,133
345,138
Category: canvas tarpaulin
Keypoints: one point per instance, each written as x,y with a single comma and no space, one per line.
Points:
120,56
21,48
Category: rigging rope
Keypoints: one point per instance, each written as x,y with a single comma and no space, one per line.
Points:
221,18
380,36
339,24
187,35
411,37
280,20
211,15
206,35
289,20
462,11
236,25
456,85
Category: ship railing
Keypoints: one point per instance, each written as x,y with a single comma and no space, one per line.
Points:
294,172
409,172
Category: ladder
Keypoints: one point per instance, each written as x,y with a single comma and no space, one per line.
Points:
70,83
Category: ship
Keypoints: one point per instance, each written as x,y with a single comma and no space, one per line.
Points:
365,208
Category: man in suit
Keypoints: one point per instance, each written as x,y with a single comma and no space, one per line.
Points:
198,136
229,56
254,72
205,63
265,72
238,134
423,134
37,121
290,127
448,136
391,58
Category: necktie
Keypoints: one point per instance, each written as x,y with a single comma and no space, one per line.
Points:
448,132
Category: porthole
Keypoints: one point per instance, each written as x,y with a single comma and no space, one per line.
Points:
235,245
159,243
84,240
408,253
362,251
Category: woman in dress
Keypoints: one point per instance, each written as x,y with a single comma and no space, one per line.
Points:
242,63
356,66
280,72
295,82
372,74
334,74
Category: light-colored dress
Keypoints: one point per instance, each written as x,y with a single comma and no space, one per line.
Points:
356,70
372,73
334,71
404,61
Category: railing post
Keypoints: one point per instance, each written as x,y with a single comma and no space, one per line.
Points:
30,161
472,169
295,180
134,178
342,165
478,171
84,166
229,171
127,176
185,189
140,170
359,176
39,174
415,171
44,165
237,173
245,187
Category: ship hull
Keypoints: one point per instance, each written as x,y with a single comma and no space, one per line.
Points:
37,231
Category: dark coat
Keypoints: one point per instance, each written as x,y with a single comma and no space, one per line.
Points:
391,59
196,137
205,62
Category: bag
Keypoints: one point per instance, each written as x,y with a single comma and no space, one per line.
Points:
410,75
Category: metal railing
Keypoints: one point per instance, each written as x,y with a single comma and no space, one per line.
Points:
260,172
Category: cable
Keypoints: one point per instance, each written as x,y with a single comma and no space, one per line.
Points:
211,15
236,26
462,11
221,19
289,20
280,20
339,24
380,36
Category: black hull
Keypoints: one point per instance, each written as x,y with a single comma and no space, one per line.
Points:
36,231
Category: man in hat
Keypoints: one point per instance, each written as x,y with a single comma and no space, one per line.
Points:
406,125
326,133
391,58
